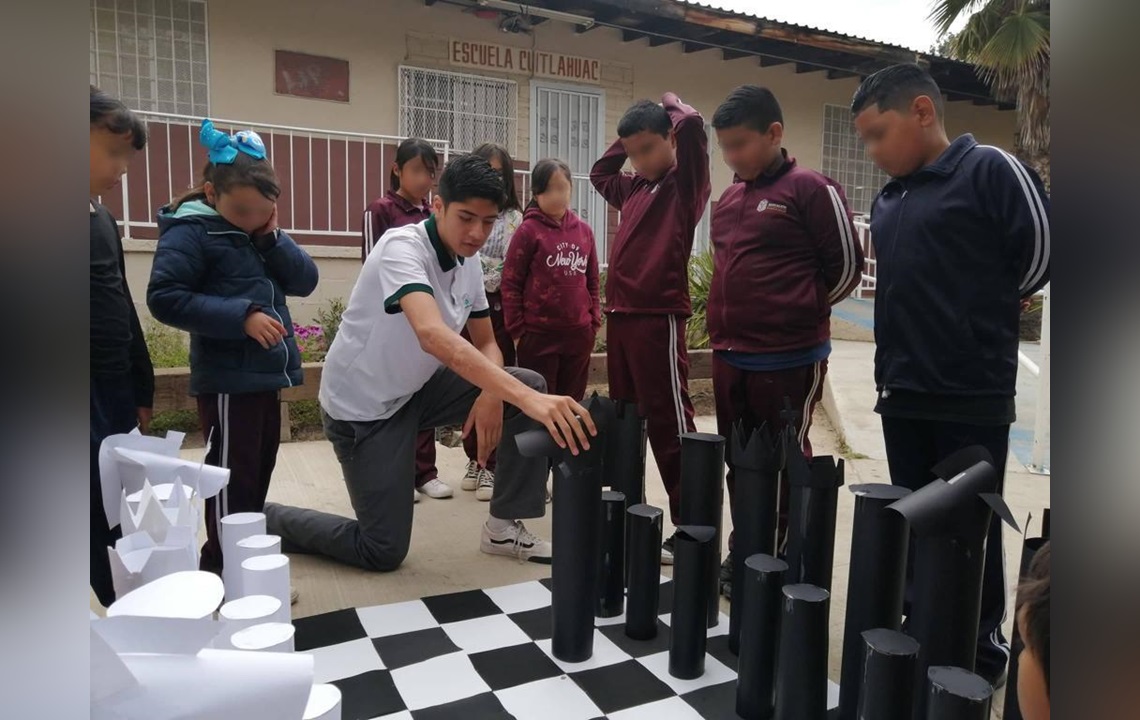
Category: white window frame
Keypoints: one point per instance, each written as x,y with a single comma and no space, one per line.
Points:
599,209
149,58
511,117
872,178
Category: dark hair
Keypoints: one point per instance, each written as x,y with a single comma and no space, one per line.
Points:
470,176
113,116
409,150
244,171
645,115
752,106
1033,606
541,174
895,88
494,150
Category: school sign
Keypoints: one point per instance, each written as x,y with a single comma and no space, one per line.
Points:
523,61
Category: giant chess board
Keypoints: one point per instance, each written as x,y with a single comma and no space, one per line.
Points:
486,655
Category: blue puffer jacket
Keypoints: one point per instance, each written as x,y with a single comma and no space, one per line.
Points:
206,278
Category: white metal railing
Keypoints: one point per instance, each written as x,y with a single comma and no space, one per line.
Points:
306,161
870,266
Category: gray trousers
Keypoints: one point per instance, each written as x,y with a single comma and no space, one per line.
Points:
378,460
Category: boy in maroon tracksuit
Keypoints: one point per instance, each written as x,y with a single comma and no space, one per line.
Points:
647,283
785,251
550,285
405,203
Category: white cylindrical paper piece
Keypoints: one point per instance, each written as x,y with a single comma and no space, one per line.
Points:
324,703
235,528
267,575
252,546
266,637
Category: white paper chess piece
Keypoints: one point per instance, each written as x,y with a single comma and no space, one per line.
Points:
235,528
266,637
244,612
324,703
190,595
267,575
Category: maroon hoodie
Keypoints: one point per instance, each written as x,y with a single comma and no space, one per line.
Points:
649,260
784,251
550,276
385,213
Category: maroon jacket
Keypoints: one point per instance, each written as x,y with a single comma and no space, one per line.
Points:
649,260
550,276
385,213
785,250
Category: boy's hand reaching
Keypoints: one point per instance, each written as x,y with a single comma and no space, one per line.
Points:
560,415
264,329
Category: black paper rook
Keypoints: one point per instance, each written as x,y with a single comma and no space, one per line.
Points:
692,557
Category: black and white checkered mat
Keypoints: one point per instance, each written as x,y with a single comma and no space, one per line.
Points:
485,654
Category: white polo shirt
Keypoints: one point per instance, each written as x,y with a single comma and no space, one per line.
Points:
375,363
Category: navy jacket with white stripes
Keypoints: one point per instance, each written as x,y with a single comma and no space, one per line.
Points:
958,244
784,252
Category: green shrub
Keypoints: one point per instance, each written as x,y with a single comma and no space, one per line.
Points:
329,320
700,282
181,420
304,415
169,348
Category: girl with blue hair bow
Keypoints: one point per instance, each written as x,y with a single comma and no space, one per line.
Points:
221,272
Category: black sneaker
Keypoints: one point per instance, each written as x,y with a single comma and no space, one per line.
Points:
726,577
667,550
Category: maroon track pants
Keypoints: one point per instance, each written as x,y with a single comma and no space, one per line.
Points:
648,363
562,358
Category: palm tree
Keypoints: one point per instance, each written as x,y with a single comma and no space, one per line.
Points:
1008,41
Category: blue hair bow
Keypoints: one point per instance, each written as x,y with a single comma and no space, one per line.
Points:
223,148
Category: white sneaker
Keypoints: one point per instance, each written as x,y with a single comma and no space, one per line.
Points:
516,541
436,488
471,478
415,496
486,487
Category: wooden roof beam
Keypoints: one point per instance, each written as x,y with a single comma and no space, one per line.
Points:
632,35
658,41
768,61
692,47
807,68
734,54
840,74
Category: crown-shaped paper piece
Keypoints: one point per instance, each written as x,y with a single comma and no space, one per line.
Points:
110,464
141,466
156,517
137,559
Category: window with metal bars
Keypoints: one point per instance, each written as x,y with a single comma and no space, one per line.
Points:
466,110
845,160
152,54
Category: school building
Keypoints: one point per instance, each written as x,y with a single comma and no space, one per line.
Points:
334,85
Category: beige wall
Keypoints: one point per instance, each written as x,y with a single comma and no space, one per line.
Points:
376,36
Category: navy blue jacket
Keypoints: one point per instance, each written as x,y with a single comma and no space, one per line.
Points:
958,244
206,279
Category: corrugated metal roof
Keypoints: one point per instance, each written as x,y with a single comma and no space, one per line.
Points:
752,16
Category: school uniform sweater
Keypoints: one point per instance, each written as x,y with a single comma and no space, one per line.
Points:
784,252
383,213
649,260
550,276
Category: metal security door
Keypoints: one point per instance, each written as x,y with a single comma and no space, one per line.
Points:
568,123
